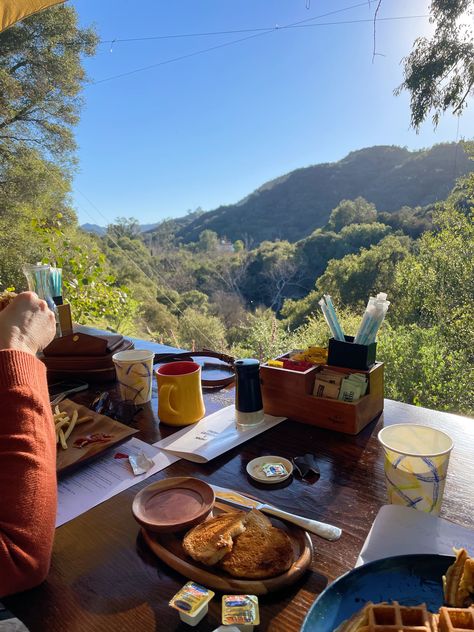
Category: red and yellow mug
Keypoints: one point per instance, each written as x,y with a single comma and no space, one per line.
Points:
180,400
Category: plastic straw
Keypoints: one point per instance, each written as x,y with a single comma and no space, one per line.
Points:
328,317
372,319
56,281
335,319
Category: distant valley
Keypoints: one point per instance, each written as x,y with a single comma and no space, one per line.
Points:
101,230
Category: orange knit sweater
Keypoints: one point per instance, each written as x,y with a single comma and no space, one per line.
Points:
28,492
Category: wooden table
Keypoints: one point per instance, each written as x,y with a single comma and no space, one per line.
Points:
103,577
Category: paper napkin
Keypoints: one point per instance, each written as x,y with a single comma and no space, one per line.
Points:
399,530
212,436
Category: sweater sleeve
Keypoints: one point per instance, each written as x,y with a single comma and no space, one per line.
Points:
28,489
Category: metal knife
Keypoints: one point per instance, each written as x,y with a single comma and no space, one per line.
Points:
230,497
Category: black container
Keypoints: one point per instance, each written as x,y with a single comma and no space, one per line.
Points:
248,394
351,356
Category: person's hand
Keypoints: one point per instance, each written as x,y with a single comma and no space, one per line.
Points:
27,324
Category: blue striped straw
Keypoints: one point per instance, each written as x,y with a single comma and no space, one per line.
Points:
332,311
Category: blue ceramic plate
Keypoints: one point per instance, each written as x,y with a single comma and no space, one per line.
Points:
408,579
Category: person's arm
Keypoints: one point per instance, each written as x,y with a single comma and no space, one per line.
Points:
28,493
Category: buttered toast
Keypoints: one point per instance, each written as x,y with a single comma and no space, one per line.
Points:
245,545
209,541
261,551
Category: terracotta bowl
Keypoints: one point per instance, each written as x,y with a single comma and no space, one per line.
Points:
173,504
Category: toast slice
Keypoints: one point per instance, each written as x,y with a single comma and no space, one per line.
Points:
260,551
209,541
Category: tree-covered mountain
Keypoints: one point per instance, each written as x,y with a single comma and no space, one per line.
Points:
294,205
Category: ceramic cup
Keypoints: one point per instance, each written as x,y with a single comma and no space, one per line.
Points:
134,369
416,464
180,400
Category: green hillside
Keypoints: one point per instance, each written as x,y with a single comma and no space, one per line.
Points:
294,205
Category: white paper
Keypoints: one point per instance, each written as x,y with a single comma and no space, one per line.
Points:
105,477
399,530
212,436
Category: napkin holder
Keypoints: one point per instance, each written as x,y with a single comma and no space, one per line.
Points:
83,356
289,393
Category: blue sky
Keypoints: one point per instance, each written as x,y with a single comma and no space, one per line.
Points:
210,128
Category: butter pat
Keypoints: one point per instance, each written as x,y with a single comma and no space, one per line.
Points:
192,603
240,611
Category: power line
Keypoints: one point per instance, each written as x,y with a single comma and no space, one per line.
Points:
243,39
269,28
174,59
254,30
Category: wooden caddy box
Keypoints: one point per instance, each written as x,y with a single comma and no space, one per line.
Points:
288,393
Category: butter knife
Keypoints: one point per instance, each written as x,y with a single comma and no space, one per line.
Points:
235,499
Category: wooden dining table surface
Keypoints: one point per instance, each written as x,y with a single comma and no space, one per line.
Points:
104,578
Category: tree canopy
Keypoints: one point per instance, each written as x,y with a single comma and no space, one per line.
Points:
439,72
357,211
41,76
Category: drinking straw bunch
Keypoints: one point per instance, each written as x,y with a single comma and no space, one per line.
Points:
371,321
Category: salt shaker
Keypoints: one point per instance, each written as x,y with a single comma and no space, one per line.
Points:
248,394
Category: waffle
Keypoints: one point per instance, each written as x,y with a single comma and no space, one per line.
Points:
458,583
456,619
396,618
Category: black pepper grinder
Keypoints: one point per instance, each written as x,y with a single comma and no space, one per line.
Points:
248,394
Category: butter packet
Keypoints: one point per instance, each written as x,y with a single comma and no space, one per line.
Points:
140,463
192,602
240,610
274,469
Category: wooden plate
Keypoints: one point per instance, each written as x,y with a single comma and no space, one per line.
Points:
68,460
173,504
167,546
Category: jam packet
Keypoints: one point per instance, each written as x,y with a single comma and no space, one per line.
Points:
192,602
240,610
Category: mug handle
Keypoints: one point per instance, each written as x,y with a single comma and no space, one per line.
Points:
165,391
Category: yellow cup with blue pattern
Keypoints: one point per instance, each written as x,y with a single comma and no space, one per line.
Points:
134,369
180,401
416,465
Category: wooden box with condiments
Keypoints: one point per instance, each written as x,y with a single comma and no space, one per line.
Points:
294,394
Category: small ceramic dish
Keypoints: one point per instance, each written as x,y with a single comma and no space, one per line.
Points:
173,504
255,471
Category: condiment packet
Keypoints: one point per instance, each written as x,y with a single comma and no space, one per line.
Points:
240,610
274,469
297,365
325,389
350,390
330,376
362,379
192,602
314,355
275,363
140,463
